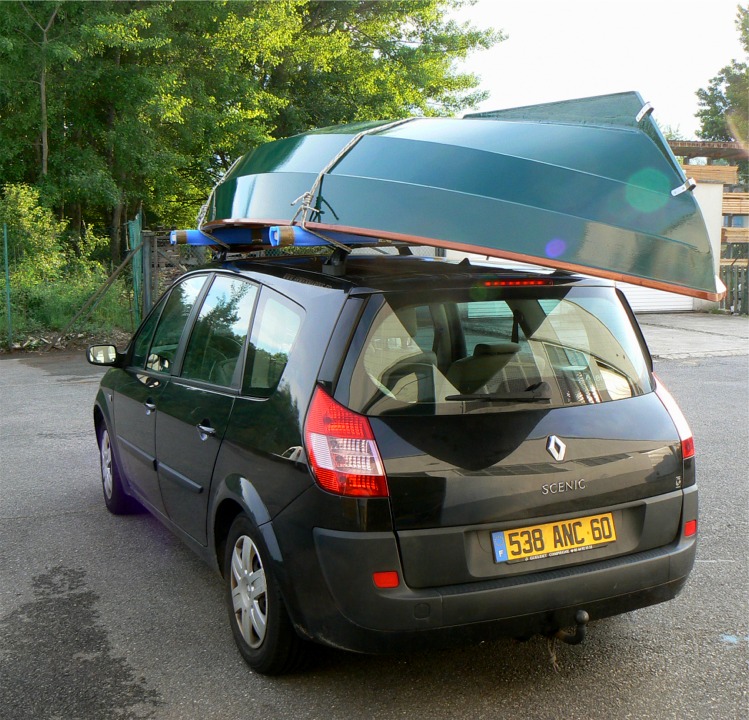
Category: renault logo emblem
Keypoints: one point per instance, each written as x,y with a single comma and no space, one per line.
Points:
556,448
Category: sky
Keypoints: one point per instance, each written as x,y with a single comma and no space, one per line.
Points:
562,49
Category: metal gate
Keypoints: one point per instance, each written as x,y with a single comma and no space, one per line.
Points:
734,278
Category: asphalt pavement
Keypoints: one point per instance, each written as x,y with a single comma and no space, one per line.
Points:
676,336
106,617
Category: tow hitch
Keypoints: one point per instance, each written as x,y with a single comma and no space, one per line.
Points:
578,635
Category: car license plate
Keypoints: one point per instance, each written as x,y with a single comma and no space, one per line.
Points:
557,538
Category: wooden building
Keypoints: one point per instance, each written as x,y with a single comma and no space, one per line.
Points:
735,227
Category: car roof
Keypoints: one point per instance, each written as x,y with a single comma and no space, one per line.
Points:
395,272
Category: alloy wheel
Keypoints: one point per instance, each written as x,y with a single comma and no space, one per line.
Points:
106,464
249,591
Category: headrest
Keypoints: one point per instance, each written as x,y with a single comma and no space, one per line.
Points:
500,348
407,318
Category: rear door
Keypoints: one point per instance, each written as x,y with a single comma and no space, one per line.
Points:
545,412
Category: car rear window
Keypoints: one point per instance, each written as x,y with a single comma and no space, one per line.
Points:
497,350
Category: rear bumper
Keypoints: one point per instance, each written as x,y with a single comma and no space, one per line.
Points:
376,620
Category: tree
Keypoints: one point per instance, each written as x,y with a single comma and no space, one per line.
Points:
375,60
268,70
94,149
29,33
110,106
43,46
724,104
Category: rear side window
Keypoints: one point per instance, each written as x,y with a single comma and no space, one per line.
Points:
274,333
466,352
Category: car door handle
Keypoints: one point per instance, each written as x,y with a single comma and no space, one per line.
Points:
150,406
205,431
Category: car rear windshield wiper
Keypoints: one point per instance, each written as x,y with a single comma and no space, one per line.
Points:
540,392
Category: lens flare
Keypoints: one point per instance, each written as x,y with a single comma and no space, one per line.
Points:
555,248
648,190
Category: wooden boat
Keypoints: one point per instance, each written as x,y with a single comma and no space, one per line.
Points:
585,185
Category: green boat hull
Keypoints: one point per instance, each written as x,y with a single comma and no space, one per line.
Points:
582,186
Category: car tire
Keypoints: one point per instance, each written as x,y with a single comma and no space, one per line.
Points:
259,621
118,502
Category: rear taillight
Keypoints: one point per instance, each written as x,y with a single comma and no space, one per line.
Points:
342,451
687,447
682,427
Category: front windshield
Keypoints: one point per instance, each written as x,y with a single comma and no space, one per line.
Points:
496,351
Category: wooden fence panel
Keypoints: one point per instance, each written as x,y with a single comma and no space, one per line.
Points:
737,296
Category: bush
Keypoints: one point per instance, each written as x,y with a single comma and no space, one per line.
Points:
34,249
48,308
52,274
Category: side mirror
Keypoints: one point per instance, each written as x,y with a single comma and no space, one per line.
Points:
103,355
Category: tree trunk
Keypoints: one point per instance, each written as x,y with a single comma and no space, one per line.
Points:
118,211
44,123
77,219
115,235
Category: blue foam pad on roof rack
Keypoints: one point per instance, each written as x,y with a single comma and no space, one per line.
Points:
286,235
226,235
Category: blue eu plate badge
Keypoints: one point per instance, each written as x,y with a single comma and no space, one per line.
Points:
500,549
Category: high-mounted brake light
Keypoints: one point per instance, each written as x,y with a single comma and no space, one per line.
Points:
342,450
516,283
682,427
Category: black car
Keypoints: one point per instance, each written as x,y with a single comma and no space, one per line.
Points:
407,453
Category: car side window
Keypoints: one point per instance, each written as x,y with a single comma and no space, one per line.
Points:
274,331
172,322
219,334
142,340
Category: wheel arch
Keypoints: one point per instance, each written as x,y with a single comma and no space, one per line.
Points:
103,411
225,515
102,418
238,496
98,419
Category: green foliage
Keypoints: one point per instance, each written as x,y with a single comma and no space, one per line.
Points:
108,107
34,236
376,60
149,103
50,278
672,133
45,308
724,104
